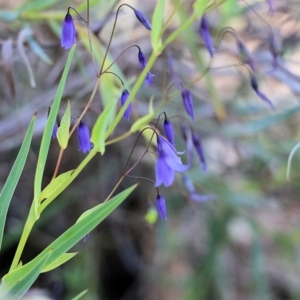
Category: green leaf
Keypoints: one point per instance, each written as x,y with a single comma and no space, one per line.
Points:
157,24
199,7
98,132
14,176
58,262
17,283
79,295
36,5
46,139
63,131
63,244
55,184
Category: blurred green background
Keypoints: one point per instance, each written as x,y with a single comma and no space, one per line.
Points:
244,244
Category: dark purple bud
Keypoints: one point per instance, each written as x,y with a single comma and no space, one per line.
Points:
84,137
205,35
168,127
262,96
142,59
143,19
245,56
68,33
124,97
188,102
143,62
161,207
199,150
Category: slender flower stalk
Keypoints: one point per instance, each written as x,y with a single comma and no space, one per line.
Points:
68,33
84,137
161,207
123,98
245,56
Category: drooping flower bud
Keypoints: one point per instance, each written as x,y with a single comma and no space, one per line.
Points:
188,102
142,18
168,127
245,56
161,207
143,63
205,35
84,137
68,33
123,98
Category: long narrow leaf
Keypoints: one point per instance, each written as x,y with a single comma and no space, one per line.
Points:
66,241
45,144
21,280
14,176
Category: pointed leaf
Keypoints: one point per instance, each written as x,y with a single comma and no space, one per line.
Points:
157,24
46,139
79,295
58,262
98,132
14,176
55,184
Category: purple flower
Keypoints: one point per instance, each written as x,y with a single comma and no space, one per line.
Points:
168,127
68,33
161,207
143,63
255,87
142,18
84,137
205,35
124,97
199,150
188,102
167,163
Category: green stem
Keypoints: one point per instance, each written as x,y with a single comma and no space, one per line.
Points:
25,234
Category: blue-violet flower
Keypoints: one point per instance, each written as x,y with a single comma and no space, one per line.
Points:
167,162
161,207
68,33
143,62
168,127
84,137
124,97
188,102
199,150
205,35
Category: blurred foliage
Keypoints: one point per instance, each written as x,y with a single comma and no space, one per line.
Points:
244,244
